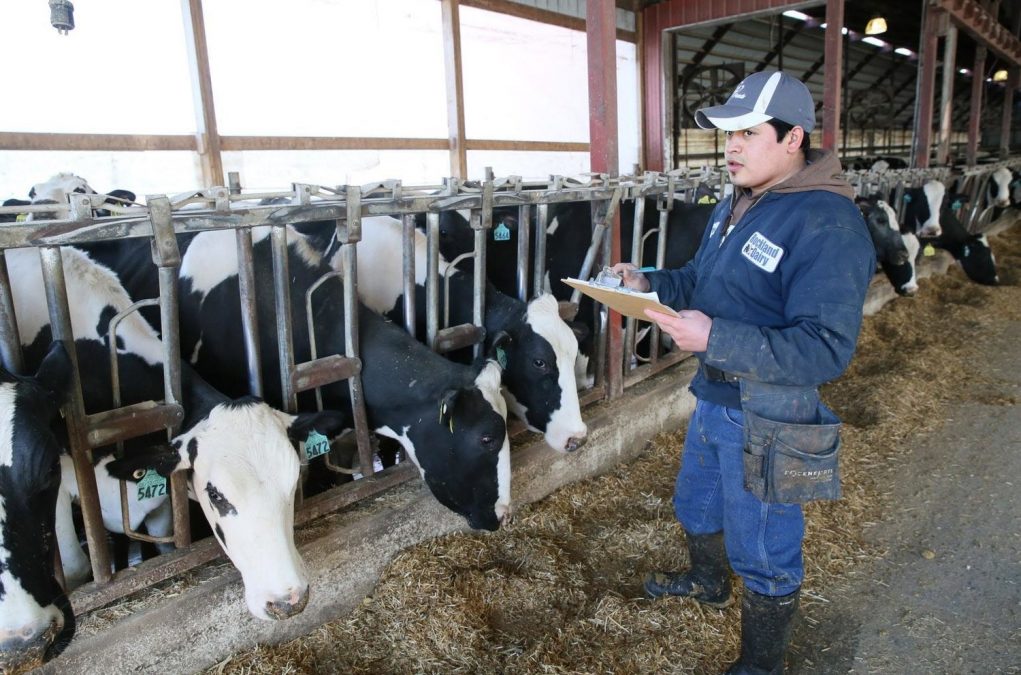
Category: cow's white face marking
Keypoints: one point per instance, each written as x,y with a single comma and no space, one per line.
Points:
488,382
934,192
57,189
912,245
244,454
1001,182
405,442
543,315
891,215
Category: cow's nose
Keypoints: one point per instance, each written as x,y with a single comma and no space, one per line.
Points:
22,649
908,291
574,443
286,607
505,514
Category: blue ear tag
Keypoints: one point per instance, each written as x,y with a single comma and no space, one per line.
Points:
316,444
956,206
907,198
501,233
501,357
152,485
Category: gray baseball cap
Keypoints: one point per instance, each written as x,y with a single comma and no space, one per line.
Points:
759,98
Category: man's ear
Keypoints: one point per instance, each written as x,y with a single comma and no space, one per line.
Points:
795,136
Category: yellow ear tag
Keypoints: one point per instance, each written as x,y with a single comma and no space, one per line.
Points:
929,250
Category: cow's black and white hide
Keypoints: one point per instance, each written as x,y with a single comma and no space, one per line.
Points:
896,252
922,208
241,464
36,621
539,347
449,418
1003,191
972,251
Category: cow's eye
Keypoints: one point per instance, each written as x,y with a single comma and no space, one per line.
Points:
539,363
487,439
80,190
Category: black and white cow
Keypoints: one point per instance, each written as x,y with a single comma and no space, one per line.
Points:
895,251
449,418
540,348
998,191
241,464
922,208
972,251
36,621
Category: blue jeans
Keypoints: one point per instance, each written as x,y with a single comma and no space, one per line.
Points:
763,540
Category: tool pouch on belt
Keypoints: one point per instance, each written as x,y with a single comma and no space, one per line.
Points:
791,444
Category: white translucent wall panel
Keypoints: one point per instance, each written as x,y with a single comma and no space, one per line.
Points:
280,168
527,164
123,69
523,80
141,172
327,68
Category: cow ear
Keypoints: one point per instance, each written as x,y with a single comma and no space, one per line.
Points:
329,423
447,403
54,374
581,331
497,350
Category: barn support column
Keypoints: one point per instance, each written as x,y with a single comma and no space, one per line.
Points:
601,34
1008,107
975,116
207,135
455,87
947,99
926,88
833,51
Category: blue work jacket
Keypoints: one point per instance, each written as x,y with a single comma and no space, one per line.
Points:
785,291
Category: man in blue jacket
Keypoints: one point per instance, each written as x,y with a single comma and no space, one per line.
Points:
771,305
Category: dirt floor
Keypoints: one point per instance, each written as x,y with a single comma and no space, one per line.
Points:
915,570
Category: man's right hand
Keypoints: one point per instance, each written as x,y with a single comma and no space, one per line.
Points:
632,278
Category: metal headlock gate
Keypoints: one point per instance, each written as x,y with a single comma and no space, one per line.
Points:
228,207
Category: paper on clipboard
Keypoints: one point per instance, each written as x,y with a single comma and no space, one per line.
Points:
627,302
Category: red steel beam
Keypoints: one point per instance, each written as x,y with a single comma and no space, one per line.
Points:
601,33
983,26
926,87
975,118
834,52
676,14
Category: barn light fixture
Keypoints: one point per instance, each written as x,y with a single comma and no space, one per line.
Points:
62,15
875,26
904,51
1000,76
875,42
795,14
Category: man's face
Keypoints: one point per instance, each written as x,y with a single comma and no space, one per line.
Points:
756,160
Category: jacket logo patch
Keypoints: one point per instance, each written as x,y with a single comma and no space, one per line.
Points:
762,252
716,226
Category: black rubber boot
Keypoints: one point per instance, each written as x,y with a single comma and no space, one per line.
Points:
708,580
765,632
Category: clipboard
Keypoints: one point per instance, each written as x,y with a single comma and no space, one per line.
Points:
627,302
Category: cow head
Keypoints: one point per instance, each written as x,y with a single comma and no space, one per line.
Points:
978,262
999,187
243,472
57,189
884,230
903,277
36,621
922,211
464,457
538,361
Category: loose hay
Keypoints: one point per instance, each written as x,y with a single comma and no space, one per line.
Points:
559,590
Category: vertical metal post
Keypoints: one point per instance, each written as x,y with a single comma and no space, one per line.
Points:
524,238
926,87
409,274
247,294
832,74
1008,109
975,114
282,309
10,343
539,267
637,239
348,250
60,326
167,257
947,96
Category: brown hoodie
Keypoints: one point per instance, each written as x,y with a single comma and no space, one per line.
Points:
820,173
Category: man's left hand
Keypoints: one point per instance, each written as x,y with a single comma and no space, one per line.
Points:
690,330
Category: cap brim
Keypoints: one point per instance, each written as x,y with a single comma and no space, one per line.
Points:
729,118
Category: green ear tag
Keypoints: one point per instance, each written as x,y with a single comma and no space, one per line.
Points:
316,444
501,233
501,357
152,485
929,250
